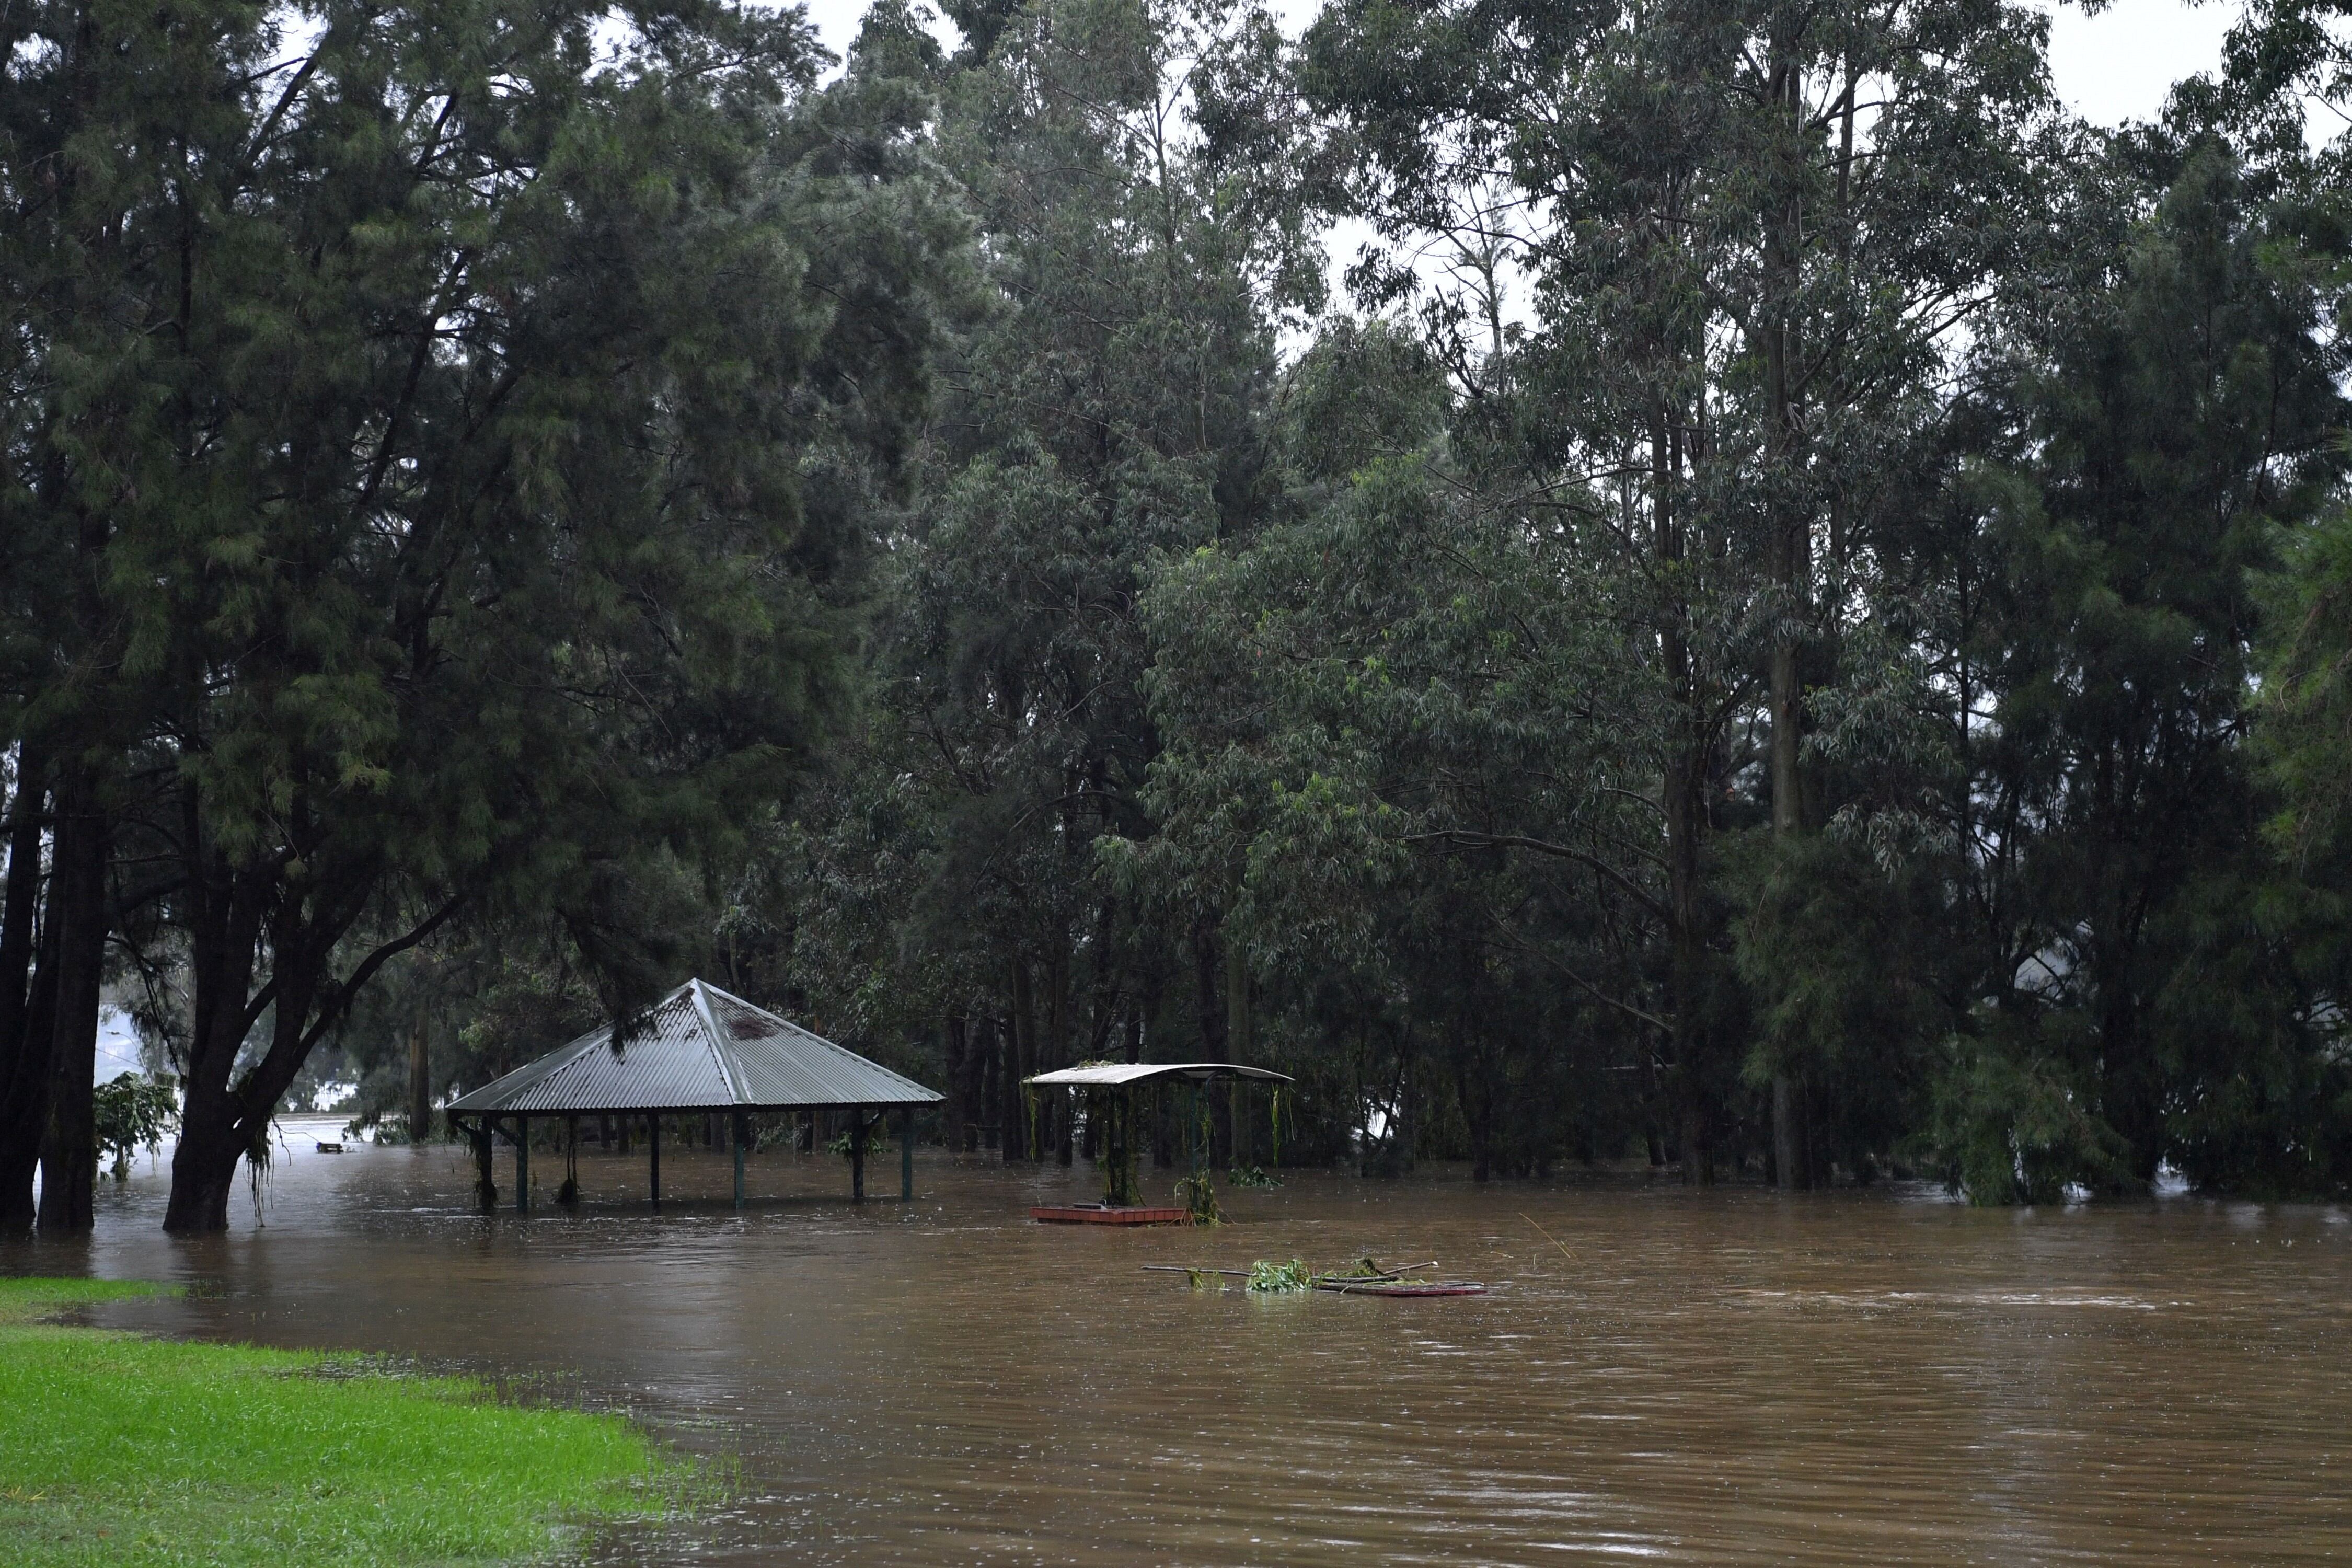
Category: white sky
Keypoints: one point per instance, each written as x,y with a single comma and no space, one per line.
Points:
2114,67
2118,65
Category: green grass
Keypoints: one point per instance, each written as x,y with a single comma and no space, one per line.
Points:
119,1449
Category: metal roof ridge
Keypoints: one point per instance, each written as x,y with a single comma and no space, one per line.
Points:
709,989
722,1041
809,1034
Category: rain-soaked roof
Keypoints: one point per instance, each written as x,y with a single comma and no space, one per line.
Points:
697,1048
1113,1074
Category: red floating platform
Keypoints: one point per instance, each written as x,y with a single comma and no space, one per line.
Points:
1103,1214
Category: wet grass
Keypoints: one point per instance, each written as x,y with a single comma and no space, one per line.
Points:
118,1449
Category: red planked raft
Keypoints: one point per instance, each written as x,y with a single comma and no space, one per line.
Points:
1099,1213
1403,1288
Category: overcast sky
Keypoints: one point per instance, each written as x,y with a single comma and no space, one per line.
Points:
2112,67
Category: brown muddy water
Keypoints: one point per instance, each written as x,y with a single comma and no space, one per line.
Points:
1727,1376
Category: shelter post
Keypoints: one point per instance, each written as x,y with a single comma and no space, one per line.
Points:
906,1153
653,1152
485,1189
857,1154
739,1122
569,1194
522,1165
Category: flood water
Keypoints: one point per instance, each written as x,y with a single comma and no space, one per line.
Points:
1725,1376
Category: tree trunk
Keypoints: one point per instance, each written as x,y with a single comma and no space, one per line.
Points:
952,1114
420,1081
1215,1039
1687,975
1787,1162
1791,560
1240,1046
1408,1117
222,1121
1019,1044
2130,1089
1056,1050
1682,795
24,1048
203,1174
986,1074
1477,1113
77,913
224,927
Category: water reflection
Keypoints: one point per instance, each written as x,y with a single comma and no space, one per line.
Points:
1721,1377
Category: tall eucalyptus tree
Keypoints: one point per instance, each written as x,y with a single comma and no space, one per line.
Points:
1754,237
1107,403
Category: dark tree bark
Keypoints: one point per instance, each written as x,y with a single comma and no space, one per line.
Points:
987,1073
1216,1040
954,1041
226,1113
1682,795
77,915
1020,1045
420,1081
1056,1051
24,1049
1408,1119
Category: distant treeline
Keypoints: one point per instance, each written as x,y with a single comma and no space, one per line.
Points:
1720,582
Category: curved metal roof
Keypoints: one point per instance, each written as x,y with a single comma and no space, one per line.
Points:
697,1048
1113,1074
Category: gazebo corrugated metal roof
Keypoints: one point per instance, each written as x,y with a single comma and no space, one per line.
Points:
699,1048
697,1051
1113,1075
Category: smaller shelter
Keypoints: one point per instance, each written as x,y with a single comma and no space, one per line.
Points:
1110,1088
697,1051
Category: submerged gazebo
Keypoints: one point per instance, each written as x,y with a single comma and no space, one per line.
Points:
698,1051
1111,1085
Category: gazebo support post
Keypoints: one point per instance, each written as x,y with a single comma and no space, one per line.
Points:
485,1189
740,1131
570,1162
1118,1147
906,1153
522,1165
857,1154
653,1153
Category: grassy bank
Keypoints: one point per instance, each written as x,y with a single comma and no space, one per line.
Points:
120,1449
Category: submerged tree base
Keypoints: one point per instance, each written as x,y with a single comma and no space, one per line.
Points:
118,1449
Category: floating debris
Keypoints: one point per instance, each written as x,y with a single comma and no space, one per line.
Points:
1279,1278
1367,1277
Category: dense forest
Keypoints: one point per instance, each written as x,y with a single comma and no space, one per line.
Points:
1721,583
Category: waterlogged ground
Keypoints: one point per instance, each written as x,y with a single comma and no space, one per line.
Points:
1694,1377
